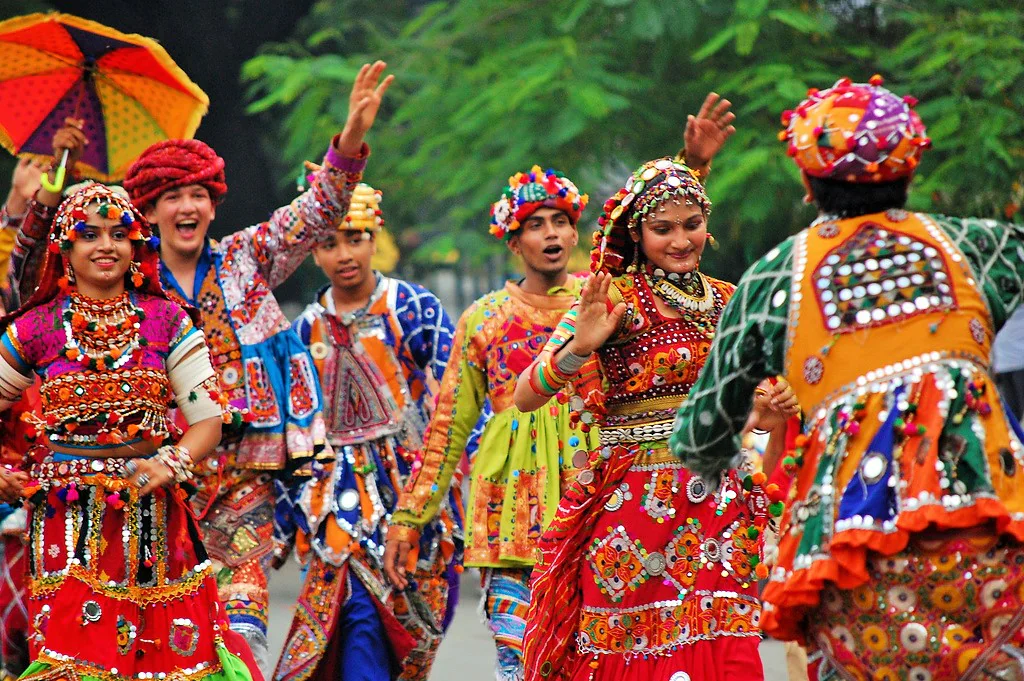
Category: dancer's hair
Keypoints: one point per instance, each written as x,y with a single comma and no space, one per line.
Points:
847,199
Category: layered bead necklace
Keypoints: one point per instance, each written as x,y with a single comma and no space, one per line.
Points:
691,295
686,292
101,334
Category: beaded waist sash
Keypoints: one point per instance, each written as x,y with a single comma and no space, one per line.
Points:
60,472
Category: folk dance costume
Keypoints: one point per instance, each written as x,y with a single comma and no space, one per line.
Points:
120,585
648,571
524,460
376,365
263,368
901,553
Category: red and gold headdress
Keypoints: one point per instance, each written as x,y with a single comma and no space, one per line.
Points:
855,132
527,192
648,187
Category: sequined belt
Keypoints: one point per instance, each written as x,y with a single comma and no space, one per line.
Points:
643,432
665,625
48,471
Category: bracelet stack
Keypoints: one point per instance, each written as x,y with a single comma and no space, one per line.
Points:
550,377
547,380
178,460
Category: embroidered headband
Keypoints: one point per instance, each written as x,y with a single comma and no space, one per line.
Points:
72,217
527,192
855,132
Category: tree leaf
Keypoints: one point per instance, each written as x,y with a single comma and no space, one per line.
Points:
717,42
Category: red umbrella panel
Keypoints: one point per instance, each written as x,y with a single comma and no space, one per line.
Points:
126,88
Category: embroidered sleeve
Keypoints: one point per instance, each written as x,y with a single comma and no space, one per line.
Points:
278,246
995,251
182,328
30,248
427,329
24,337
16,349
462,394
749,346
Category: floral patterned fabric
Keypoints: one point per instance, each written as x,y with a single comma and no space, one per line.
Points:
647,569
939,610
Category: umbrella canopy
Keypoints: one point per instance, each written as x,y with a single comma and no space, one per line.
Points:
126,88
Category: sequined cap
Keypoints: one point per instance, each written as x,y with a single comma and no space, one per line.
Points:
648,187
855,132
364,213
527,192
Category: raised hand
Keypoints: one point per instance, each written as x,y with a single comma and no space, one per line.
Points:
25,178
363,104
707,132
596,318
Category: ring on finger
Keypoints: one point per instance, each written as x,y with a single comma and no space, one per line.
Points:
143,479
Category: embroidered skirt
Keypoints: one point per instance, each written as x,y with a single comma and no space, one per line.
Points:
941,610
658,580
120,586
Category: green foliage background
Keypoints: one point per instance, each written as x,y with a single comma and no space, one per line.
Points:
594,87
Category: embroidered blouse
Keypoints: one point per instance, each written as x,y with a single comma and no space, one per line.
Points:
100,407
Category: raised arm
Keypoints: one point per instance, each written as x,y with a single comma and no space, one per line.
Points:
583,329
40,206
278,246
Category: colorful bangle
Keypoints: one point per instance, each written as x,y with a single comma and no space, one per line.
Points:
406,533
551,380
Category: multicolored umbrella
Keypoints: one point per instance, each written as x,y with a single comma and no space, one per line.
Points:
126,88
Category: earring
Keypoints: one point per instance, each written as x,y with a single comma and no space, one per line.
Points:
68,280
712,241
137,278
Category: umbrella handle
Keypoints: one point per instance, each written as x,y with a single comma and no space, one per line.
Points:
58,177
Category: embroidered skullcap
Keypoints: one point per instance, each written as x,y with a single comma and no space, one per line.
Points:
364,214
648,187
527,192
175,163
855,132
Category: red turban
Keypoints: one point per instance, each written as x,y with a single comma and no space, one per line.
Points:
175,163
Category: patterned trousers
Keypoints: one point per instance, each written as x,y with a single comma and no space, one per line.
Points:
506,600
